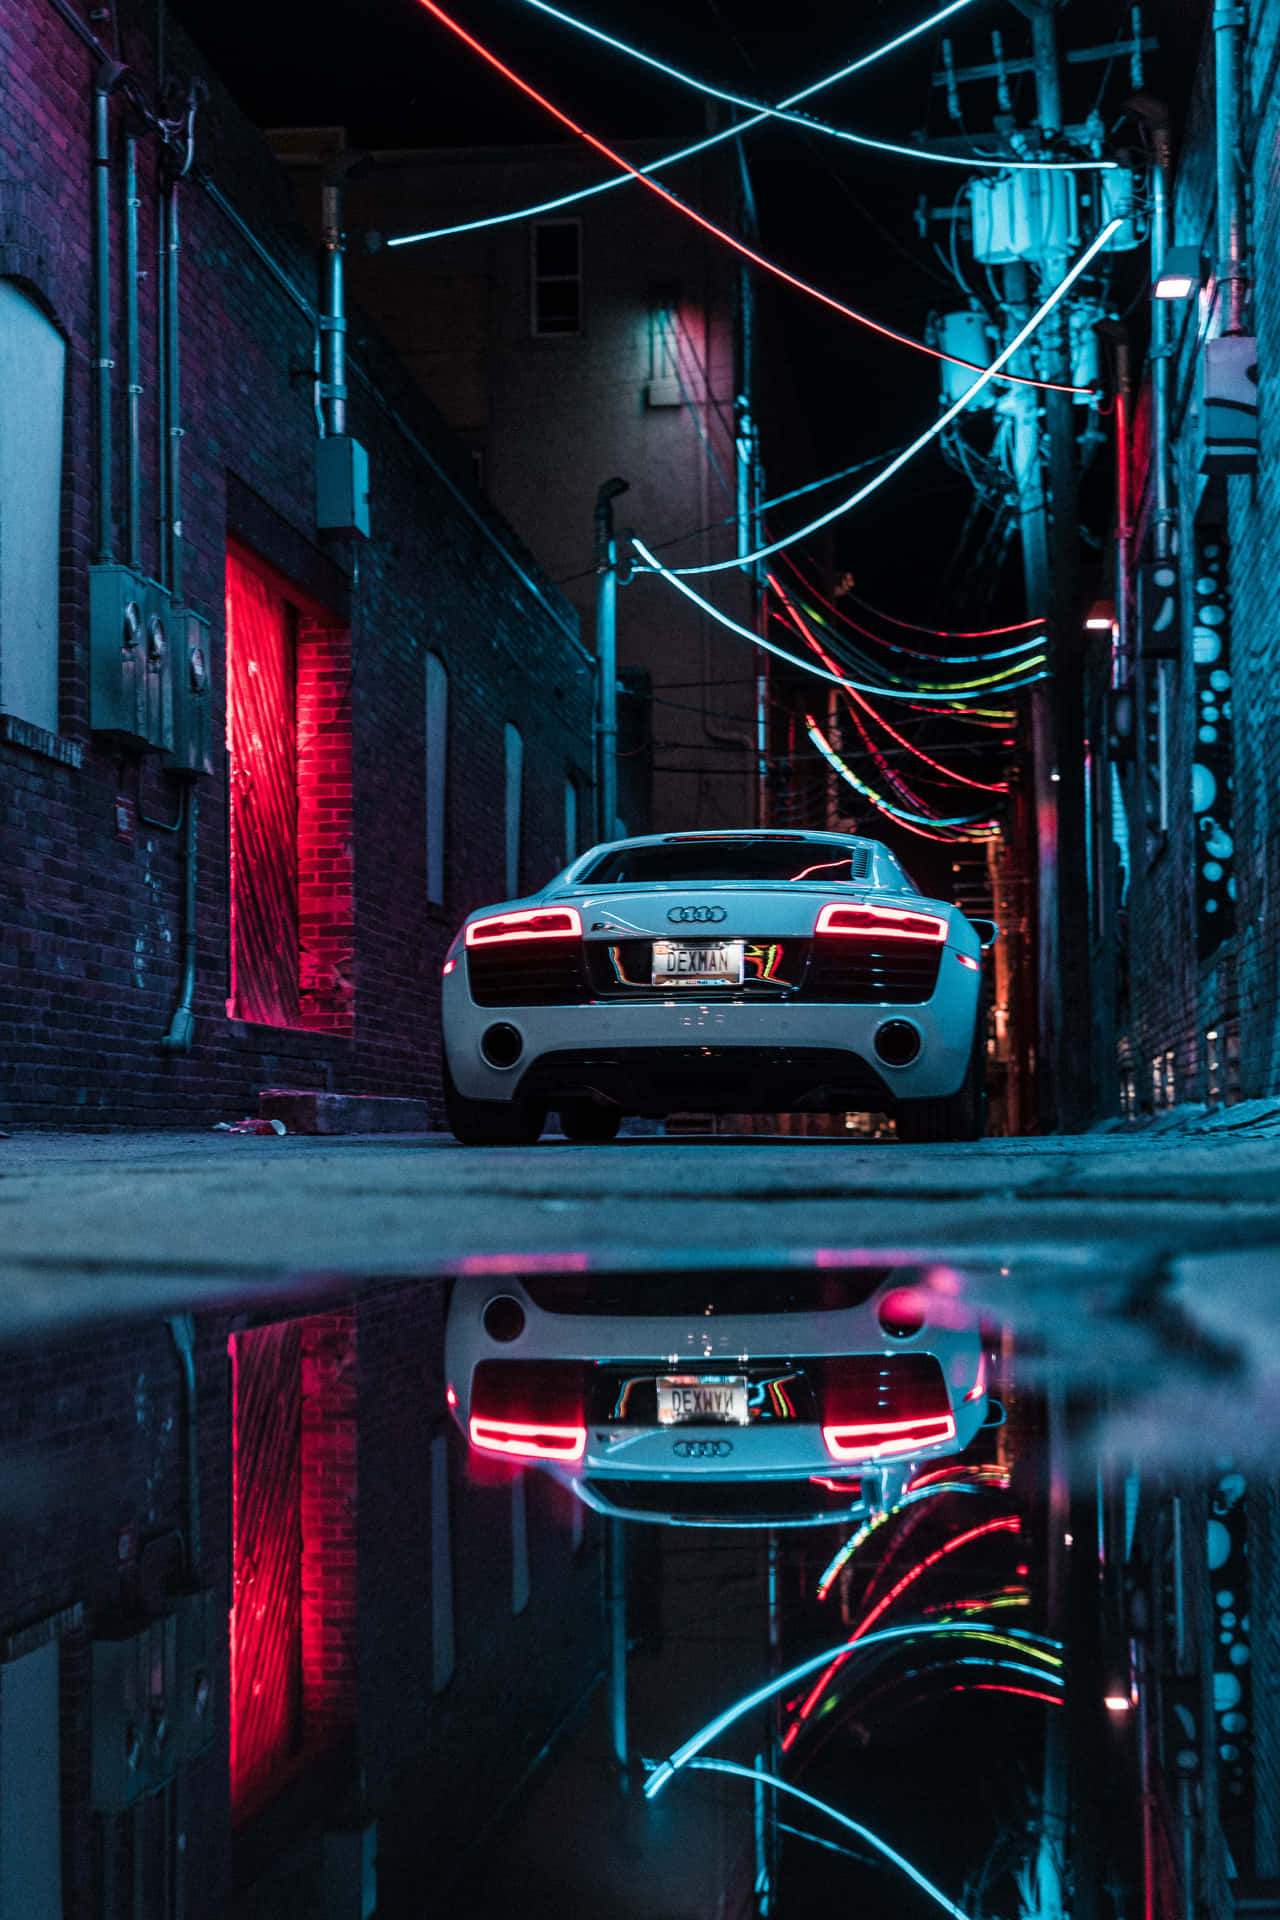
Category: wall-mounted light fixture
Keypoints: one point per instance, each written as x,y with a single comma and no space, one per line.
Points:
1101,617
1181,276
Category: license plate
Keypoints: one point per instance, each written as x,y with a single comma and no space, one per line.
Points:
684,1398
697,963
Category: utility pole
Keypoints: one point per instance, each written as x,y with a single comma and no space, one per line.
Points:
607,661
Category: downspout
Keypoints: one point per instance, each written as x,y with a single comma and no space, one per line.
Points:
333,319
107,78
133,522
1161,349
182,1026
1228,46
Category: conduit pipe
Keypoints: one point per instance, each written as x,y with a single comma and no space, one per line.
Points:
133,384
1161,347
108,77
182,1026
1228,46
333,318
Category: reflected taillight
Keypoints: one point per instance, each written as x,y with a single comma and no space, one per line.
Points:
873,1405
881,923
533,923
529,1410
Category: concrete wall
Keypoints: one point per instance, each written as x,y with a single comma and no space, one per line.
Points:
89,923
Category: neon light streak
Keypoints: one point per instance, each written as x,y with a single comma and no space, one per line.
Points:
922,440
805,120
781,1682
1022,1693
851,1545
864,1833
654,565
699,146
949,633
1001,786
914,653
833,759
730,240
1008,1524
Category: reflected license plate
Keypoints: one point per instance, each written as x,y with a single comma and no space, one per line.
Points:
696,963
687,1397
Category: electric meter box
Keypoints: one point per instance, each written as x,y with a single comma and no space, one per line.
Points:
198,1657
130,683
192,747
131,1738
342,485
968,337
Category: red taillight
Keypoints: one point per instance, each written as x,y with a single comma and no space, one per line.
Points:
881,923
531,923
876,1404
864,1440
531,1409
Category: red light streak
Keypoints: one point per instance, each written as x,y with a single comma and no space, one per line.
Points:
1009,1524
528,1440
884,922
531,923
995,1686
719,233
984,786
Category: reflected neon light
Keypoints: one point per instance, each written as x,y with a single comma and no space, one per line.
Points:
528,1440
532,923
892,922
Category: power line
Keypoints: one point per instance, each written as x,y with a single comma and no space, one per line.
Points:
729,239
699,146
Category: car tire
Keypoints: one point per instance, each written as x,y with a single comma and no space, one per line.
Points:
491,1123
961,1115
589,1122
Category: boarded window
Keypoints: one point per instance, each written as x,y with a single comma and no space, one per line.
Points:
514,758
32,364
557,276
437,734
289,742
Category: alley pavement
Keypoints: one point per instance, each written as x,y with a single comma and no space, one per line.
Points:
1150,1255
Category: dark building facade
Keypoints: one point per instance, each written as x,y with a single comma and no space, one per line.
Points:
281,696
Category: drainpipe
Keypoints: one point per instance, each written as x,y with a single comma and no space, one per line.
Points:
607,661
107,78
333,318
1228,45
133,523
182,1026
172,429
1161,349
182,1332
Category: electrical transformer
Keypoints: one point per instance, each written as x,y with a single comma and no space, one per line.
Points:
1230,404
1023,216
968,336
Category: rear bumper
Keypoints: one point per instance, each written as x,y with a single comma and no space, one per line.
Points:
669,1055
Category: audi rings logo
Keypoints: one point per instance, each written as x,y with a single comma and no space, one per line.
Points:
696,916
703,1449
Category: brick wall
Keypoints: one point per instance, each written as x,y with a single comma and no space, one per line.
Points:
94,1523
90,924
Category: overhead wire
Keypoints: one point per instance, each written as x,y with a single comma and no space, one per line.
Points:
699,146
922,440
807,121
728,239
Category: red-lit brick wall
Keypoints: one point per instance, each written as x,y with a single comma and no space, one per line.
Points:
90,924
326,907
329,1516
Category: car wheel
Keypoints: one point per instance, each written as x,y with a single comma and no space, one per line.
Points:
587,1121
960,1116
490,1123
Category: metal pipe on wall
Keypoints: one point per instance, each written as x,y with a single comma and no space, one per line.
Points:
182,1025
333,319
1161,349
107,76
133,384
173,427
1228,48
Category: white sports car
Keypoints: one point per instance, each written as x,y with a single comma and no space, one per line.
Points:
745,1396
743,972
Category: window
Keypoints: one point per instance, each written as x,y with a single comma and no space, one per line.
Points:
514,761
557,276
32,367
289,741
437,736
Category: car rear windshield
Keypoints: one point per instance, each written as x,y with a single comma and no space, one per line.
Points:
766,858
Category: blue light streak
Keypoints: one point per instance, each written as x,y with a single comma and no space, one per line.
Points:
685,153
943,421
868,1527
685,1754
842,1819
653,565
833,760
760,111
